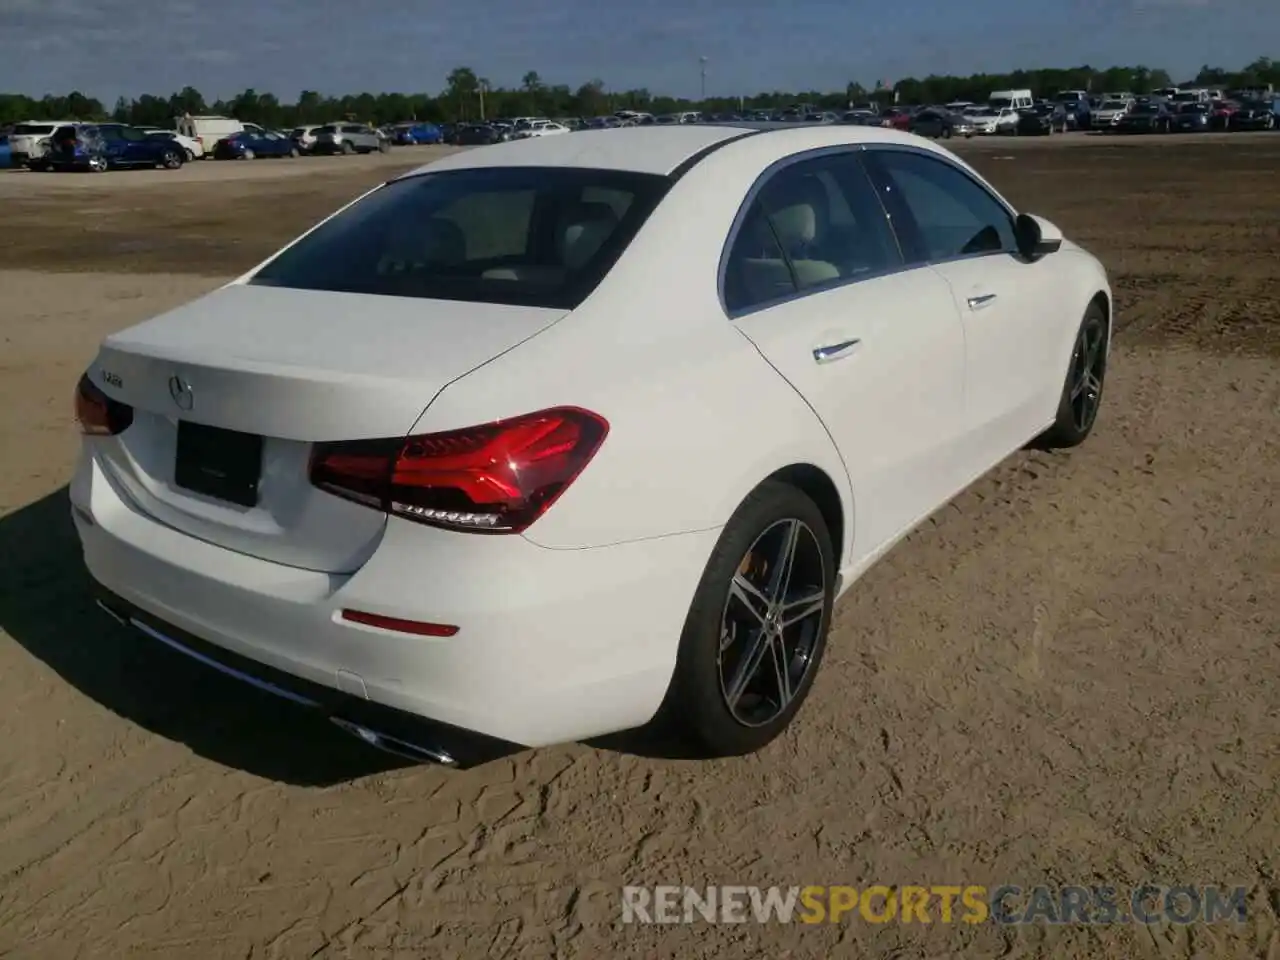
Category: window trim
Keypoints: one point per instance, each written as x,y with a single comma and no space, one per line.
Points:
853,150
912,228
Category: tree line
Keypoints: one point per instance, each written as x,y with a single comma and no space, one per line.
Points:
469,96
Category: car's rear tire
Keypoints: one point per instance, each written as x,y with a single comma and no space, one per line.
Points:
1082,389
293,152
247,155
98,164
384,146
347,147
946,133
742,671
171,160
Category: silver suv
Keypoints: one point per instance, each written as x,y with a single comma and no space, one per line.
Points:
349,138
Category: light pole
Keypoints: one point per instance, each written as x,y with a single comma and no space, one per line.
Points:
481,87
702,69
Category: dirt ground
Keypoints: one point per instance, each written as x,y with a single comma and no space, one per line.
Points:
1066,677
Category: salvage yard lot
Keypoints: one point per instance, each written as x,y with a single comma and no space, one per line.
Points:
1067,676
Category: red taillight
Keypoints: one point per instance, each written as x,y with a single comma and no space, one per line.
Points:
99,415
495,478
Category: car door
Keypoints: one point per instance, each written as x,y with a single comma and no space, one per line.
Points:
137,149
113,144
814,278
952,222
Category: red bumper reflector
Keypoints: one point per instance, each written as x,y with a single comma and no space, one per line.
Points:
416,627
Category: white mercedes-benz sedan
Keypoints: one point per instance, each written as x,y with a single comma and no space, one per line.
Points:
578,435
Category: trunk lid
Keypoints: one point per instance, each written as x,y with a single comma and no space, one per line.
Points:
293,367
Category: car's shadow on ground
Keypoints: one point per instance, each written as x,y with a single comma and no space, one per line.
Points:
45,607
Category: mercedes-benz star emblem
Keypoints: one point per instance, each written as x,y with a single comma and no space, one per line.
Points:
181,392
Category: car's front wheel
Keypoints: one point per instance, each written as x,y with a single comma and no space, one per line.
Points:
171,160
247,155
98,164
757,628
1082,392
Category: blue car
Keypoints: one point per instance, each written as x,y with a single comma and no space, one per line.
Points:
409,134
99,147
4,152
248,144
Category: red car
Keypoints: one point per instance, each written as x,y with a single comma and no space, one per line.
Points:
1220,114
896,117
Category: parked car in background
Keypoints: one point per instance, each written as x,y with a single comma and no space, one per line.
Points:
1010,99
29,142
861,118
1106,116
1192,118
983,120
349,138
5,155
305,136
208,130
249,145
540,128
477,134
896,118
1150,117
1256,115
1220,112
193,148
938,122
1042,120
98,147
413,134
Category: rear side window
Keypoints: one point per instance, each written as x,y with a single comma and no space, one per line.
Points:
521,235
815,223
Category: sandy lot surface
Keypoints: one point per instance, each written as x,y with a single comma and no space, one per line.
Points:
1066,677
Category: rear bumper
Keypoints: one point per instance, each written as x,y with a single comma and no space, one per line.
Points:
552,646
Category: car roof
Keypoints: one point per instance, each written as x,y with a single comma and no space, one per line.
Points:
660,149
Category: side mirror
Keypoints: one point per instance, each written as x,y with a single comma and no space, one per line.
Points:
1036,236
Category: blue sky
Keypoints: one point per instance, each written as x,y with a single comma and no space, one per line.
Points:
109,47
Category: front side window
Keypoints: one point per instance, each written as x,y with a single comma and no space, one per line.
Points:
948,214
520,235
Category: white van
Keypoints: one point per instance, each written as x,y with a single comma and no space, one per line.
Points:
1014,99
207,131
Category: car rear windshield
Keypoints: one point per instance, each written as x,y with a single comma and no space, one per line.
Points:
31,129
534,236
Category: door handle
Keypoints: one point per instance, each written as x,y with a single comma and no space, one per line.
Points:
980,301
835,351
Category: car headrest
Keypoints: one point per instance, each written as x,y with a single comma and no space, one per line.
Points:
795,206
583,230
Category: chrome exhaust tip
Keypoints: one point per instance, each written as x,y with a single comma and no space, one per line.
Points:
389,744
